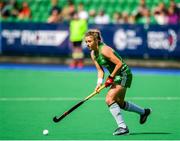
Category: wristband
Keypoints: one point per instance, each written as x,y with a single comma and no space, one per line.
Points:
100,80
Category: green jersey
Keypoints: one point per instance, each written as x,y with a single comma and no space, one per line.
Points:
123,75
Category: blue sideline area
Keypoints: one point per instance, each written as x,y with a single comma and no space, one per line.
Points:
46,67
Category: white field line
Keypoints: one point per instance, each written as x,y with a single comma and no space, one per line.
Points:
77,99
89,140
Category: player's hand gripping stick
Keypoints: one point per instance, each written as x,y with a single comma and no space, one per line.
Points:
109,81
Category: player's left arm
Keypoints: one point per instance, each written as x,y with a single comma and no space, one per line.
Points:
108,53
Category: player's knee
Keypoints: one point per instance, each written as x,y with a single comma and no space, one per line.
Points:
109,100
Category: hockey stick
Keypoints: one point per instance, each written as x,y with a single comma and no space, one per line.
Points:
57,119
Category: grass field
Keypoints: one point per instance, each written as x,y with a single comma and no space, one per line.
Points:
30,98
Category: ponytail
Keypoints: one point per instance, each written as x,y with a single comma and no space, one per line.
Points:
96,34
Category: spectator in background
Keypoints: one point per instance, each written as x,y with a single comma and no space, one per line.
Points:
160,14
142,6
68,11
55,6
77,30
92,15
25,11
132,19
125,18
102,18
82,14
174,6
117,18
10,9
147,18
54,17
2,4
55,13
172,16
141,9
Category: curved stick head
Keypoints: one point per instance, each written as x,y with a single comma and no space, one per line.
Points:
55,119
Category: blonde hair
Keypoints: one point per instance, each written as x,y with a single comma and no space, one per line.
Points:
96,34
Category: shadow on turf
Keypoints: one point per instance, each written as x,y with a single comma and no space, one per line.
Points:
150,133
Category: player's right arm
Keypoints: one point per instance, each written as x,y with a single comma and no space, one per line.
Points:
100,71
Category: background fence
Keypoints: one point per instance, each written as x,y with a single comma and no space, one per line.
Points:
140,41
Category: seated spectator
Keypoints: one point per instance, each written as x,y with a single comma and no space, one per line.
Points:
160,14
141,9
68,11
175,7
2,4
55,13
82,14
54,17
132,19
102,18
25,12
55,6
147,18
10,9
92,15
172,16
117,18
125,18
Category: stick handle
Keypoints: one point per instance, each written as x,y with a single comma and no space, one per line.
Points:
95,92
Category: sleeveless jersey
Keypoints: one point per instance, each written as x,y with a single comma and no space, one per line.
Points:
124,73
